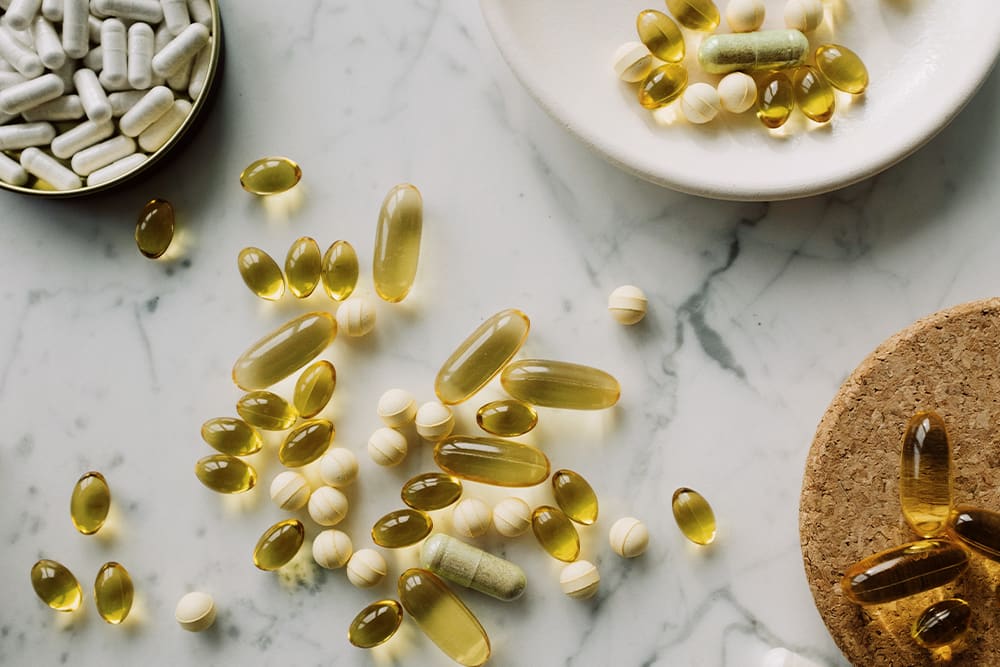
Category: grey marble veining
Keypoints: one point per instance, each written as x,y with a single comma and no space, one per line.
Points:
757,313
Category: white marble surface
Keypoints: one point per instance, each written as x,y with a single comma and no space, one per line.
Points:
757,312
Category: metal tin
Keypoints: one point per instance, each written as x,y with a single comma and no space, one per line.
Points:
192,122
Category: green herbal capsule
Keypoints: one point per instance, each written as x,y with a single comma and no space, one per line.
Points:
443,617
284,351
575,496
90,503
305,443
375,624
154,229
231,436
113,593
303,266
266,410
397,242
340,270
261,274
401,528
753,51
270,176
431,491
558,384
279,544
472,567
903,571
556,533
225,474
492,461
55,585
314,388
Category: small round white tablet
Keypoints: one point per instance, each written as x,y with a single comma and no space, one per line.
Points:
737,92
629,537
745,15
195,611
580,580
627,304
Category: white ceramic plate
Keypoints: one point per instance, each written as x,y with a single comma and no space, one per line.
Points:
925,58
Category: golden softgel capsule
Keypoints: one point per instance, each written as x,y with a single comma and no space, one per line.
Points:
925,474
401,528
225,474
303,266
231,436
903,571
775,100
575,496
753,51
813,95
270,176
942,623
694,516
279,544
506,418
90,503
113,592
700,15
660,35
340,270
492,461
842,68
431,491
55,585
284,351
481,356
443,617
397,242
662,86
261,274
154,230
556,533
978,529
266,410
560,384
314,388
306,443
375,624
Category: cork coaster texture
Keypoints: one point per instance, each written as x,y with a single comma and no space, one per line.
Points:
849,509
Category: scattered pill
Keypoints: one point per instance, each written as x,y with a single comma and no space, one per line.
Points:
632,62
231,436
90,503
303,265
492,461
340,270
556,533
56,586
146,111
745,15
43,166
804,15
903,571
290,491
387,447
700,103
431,491
943,623
270,176
472,567
752,51
700,15
154,229
225,474
627,304
314,388
195,611
775,100
662,86
279,544
181,50
661,38
162,130
284,351
266,410
694,516
629,537
842,68
435,421
375,624
30,94
331,549
102,156
737,92
113,592
978,529
813,95
397,408
328,506
401,528
338,467
560,384
512,517
356,317
366,568
471,517
575,496
580,580
114,53
397,242
506,418
482,355
306,442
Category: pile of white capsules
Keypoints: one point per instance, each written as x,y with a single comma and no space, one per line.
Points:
90,89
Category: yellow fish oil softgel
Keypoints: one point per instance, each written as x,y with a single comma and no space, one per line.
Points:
90,503
506,418
662,86
700,15
279,544
575,496
492,461
154,230
306,443
303,266
431,491
401,528
443,617
113,593
397,242
284,351
753,51
694,516
942,624
225,474
903,571
842,68
660,35
556,533
560,384
775,100
314,388
55,585
375,624
270,176
472,567
813,95
231,436
978,529
340,270
266,410
261,274
925,474
481,356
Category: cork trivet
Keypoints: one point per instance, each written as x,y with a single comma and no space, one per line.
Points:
948,362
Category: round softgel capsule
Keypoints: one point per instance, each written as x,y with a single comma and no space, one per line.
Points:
195,611
629,537
700,103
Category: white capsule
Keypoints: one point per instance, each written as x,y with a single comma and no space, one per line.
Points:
63,108
629,537
435,421
66,74
159,133
114,51
356,317
30,94
94,24
580,580
101,155
146,111
21,13
782,657
199,71
737,92
290,491
201,12
511,517
94,60
195,611
13,137
181,50
123,101
21,58
397,408
387,447
366,568
48,43
92,95
11,171
632,62
53,10
745,15
328,506
116,169
75,28
803,15
176,15
10,79
180,80
332,549
45,167
23,37
83,135
471,517
627,304
7,117
140,56
700,103
148,11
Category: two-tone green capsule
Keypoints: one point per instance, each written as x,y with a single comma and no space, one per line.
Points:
266,410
